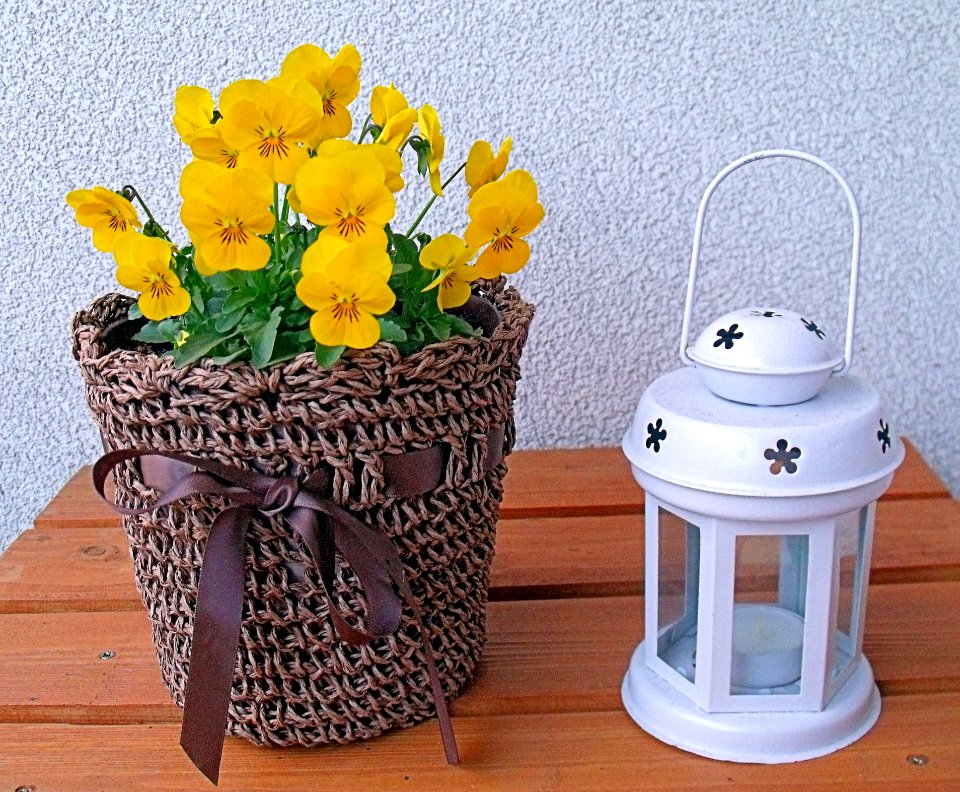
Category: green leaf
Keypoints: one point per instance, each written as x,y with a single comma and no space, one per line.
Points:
225,322
237,299
405,250
229,280
262,337
439,326
400,267
390,330
462,327
327,356
154,333
198,344
215,305
289,345
222,360
134,312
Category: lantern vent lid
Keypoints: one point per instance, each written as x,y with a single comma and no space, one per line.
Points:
684,434
765,356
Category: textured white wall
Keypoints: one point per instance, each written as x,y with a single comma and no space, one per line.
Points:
622,111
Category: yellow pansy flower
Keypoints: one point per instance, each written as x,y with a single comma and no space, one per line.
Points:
193,111
223,211
143,265
347,194
482,167
106,212
451,256
267,127
429,124
501,213
209,145
336,81
346,285
390,112
388,158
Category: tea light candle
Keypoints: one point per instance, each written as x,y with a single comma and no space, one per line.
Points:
767,646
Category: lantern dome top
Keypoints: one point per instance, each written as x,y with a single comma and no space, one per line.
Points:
684,434
765,356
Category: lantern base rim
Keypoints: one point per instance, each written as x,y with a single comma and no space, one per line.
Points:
750,737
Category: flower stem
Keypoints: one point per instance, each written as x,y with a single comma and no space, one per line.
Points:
129,192
365,128
276,224
432,199
286,203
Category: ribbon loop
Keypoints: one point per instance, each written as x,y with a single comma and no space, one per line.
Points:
281,495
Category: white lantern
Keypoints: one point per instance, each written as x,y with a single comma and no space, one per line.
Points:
762,461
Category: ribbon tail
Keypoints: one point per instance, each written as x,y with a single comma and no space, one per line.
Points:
439,700
216,633
374,557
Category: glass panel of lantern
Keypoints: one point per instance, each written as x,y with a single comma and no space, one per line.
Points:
853,530
678,574
769,600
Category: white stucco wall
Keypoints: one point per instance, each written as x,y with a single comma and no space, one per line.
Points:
622,111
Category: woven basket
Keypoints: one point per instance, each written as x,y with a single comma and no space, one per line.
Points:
295,682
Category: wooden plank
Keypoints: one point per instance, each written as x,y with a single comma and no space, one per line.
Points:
50,569
553,483
541,656
572,751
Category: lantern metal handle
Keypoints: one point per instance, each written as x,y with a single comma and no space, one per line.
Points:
698,236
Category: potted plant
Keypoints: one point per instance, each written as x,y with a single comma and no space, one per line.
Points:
310,404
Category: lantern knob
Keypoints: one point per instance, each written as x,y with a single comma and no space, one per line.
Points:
768,356
765,356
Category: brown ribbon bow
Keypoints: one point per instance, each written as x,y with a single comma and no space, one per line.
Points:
370,553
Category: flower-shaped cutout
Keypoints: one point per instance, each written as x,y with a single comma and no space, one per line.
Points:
727,337
782,458
813,328
884,436
657,435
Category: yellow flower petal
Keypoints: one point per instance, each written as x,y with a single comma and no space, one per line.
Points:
505,255
143,265
453,292
446,252
224,211
482,167
346,285
328,327
362,259
346,194
237,250
335,81
193,111
244,91
211,147
164,298
528,219
271,132
429,123
106,212
485,225
196,176
321,253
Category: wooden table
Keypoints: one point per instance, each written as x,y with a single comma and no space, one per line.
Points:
82,705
